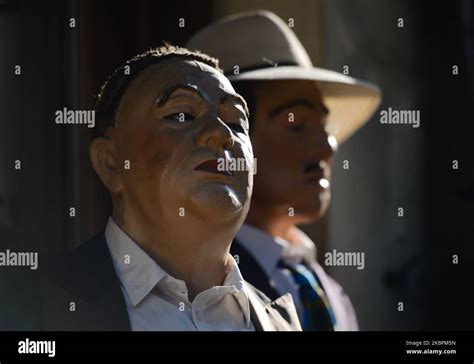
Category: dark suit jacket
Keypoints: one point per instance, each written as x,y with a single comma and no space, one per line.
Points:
255,275
86,278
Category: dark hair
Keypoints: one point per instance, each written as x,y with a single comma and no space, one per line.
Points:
117,83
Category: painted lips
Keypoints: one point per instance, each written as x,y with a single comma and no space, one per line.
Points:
212,166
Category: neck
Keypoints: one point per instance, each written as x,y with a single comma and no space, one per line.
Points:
274,223
189,249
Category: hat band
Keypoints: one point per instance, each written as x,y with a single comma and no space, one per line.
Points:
259,67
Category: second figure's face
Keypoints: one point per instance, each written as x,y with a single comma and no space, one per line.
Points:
175,122
293,150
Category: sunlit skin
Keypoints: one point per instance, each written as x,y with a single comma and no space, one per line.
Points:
294,157
174,121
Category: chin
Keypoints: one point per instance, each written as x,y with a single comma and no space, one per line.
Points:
308,217
216,201
314,212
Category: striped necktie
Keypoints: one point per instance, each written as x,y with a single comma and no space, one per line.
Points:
317,313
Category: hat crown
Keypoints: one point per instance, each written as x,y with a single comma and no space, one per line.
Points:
251,40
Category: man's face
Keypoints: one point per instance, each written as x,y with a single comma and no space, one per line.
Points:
293,150
176,119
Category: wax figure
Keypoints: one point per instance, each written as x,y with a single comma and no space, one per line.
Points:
298,116
163,119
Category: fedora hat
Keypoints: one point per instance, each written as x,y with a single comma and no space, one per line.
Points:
259,46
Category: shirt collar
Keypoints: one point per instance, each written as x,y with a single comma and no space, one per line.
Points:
134,266
137,271
235,280
264,248
268,250
305,250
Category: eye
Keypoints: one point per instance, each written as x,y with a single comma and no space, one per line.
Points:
237,127
180,116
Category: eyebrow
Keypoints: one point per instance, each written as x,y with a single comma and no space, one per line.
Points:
166,94
168,91
296,102
237,98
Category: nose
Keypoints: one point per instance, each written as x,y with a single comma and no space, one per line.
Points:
215,134
325,146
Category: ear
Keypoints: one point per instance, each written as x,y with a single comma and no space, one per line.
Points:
103,156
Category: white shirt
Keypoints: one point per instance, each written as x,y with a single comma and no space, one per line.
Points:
156,301
268,250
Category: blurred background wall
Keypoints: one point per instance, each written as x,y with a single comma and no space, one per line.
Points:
385,162
408,259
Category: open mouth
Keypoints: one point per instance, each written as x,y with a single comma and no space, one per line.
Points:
212,166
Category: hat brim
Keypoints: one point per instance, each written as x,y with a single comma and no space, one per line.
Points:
351,102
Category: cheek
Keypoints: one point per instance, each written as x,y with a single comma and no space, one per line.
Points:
149,153
277,160
161,157
158,151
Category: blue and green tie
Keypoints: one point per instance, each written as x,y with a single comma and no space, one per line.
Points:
317,313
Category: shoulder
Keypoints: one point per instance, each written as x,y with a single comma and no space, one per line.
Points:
82,292
83,270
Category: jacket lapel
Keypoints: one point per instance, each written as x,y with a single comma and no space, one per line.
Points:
278,315
252,271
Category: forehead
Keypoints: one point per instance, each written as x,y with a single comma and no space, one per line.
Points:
156,77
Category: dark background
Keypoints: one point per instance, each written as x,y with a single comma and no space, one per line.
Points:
408,259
